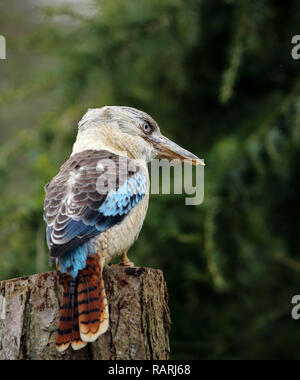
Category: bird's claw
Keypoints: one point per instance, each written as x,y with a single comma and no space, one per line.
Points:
127,264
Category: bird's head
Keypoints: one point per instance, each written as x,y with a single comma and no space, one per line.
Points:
125,130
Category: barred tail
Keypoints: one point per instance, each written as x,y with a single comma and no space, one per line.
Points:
68,332
92,303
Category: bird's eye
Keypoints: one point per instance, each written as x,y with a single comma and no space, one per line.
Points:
146,127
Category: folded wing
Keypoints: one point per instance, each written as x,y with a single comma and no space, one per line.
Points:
94,191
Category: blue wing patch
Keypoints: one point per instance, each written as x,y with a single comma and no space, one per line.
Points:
120,202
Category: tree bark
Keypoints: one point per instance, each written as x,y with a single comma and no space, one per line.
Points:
139,317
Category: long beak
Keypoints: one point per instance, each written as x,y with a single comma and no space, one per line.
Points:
167,149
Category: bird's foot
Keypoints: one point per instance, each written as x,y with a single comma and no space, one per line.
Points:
125,262
129,264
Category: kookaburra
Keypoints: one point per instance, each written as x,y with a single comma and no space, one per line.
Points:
95,208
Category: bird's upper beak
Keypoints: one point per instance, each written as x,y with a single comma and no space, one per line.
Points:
165,148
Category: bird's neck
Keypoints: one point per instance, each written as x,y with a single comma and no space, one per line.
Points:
106,138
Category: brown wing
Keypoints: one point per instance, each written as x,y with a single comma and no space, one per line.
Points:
85,198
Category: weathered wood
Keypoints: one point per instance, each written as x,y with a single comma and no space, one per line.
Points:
139,317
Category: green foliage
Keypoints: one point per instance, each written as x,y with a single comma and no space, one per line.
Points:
219,78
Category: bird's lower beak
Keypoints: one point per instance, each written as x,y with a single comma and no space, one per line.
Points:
167,149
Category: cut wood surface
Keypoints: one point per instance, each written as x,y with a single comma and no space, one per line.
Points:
139,317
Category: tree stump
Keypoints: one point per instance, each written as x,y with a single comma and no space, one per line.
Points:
139,317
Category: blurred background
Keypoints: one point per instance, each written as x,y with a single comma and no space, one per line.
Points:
219,78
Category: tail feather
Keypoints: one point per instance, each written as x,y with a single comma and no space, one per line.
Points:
68,332
76,341
92,303
84,310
